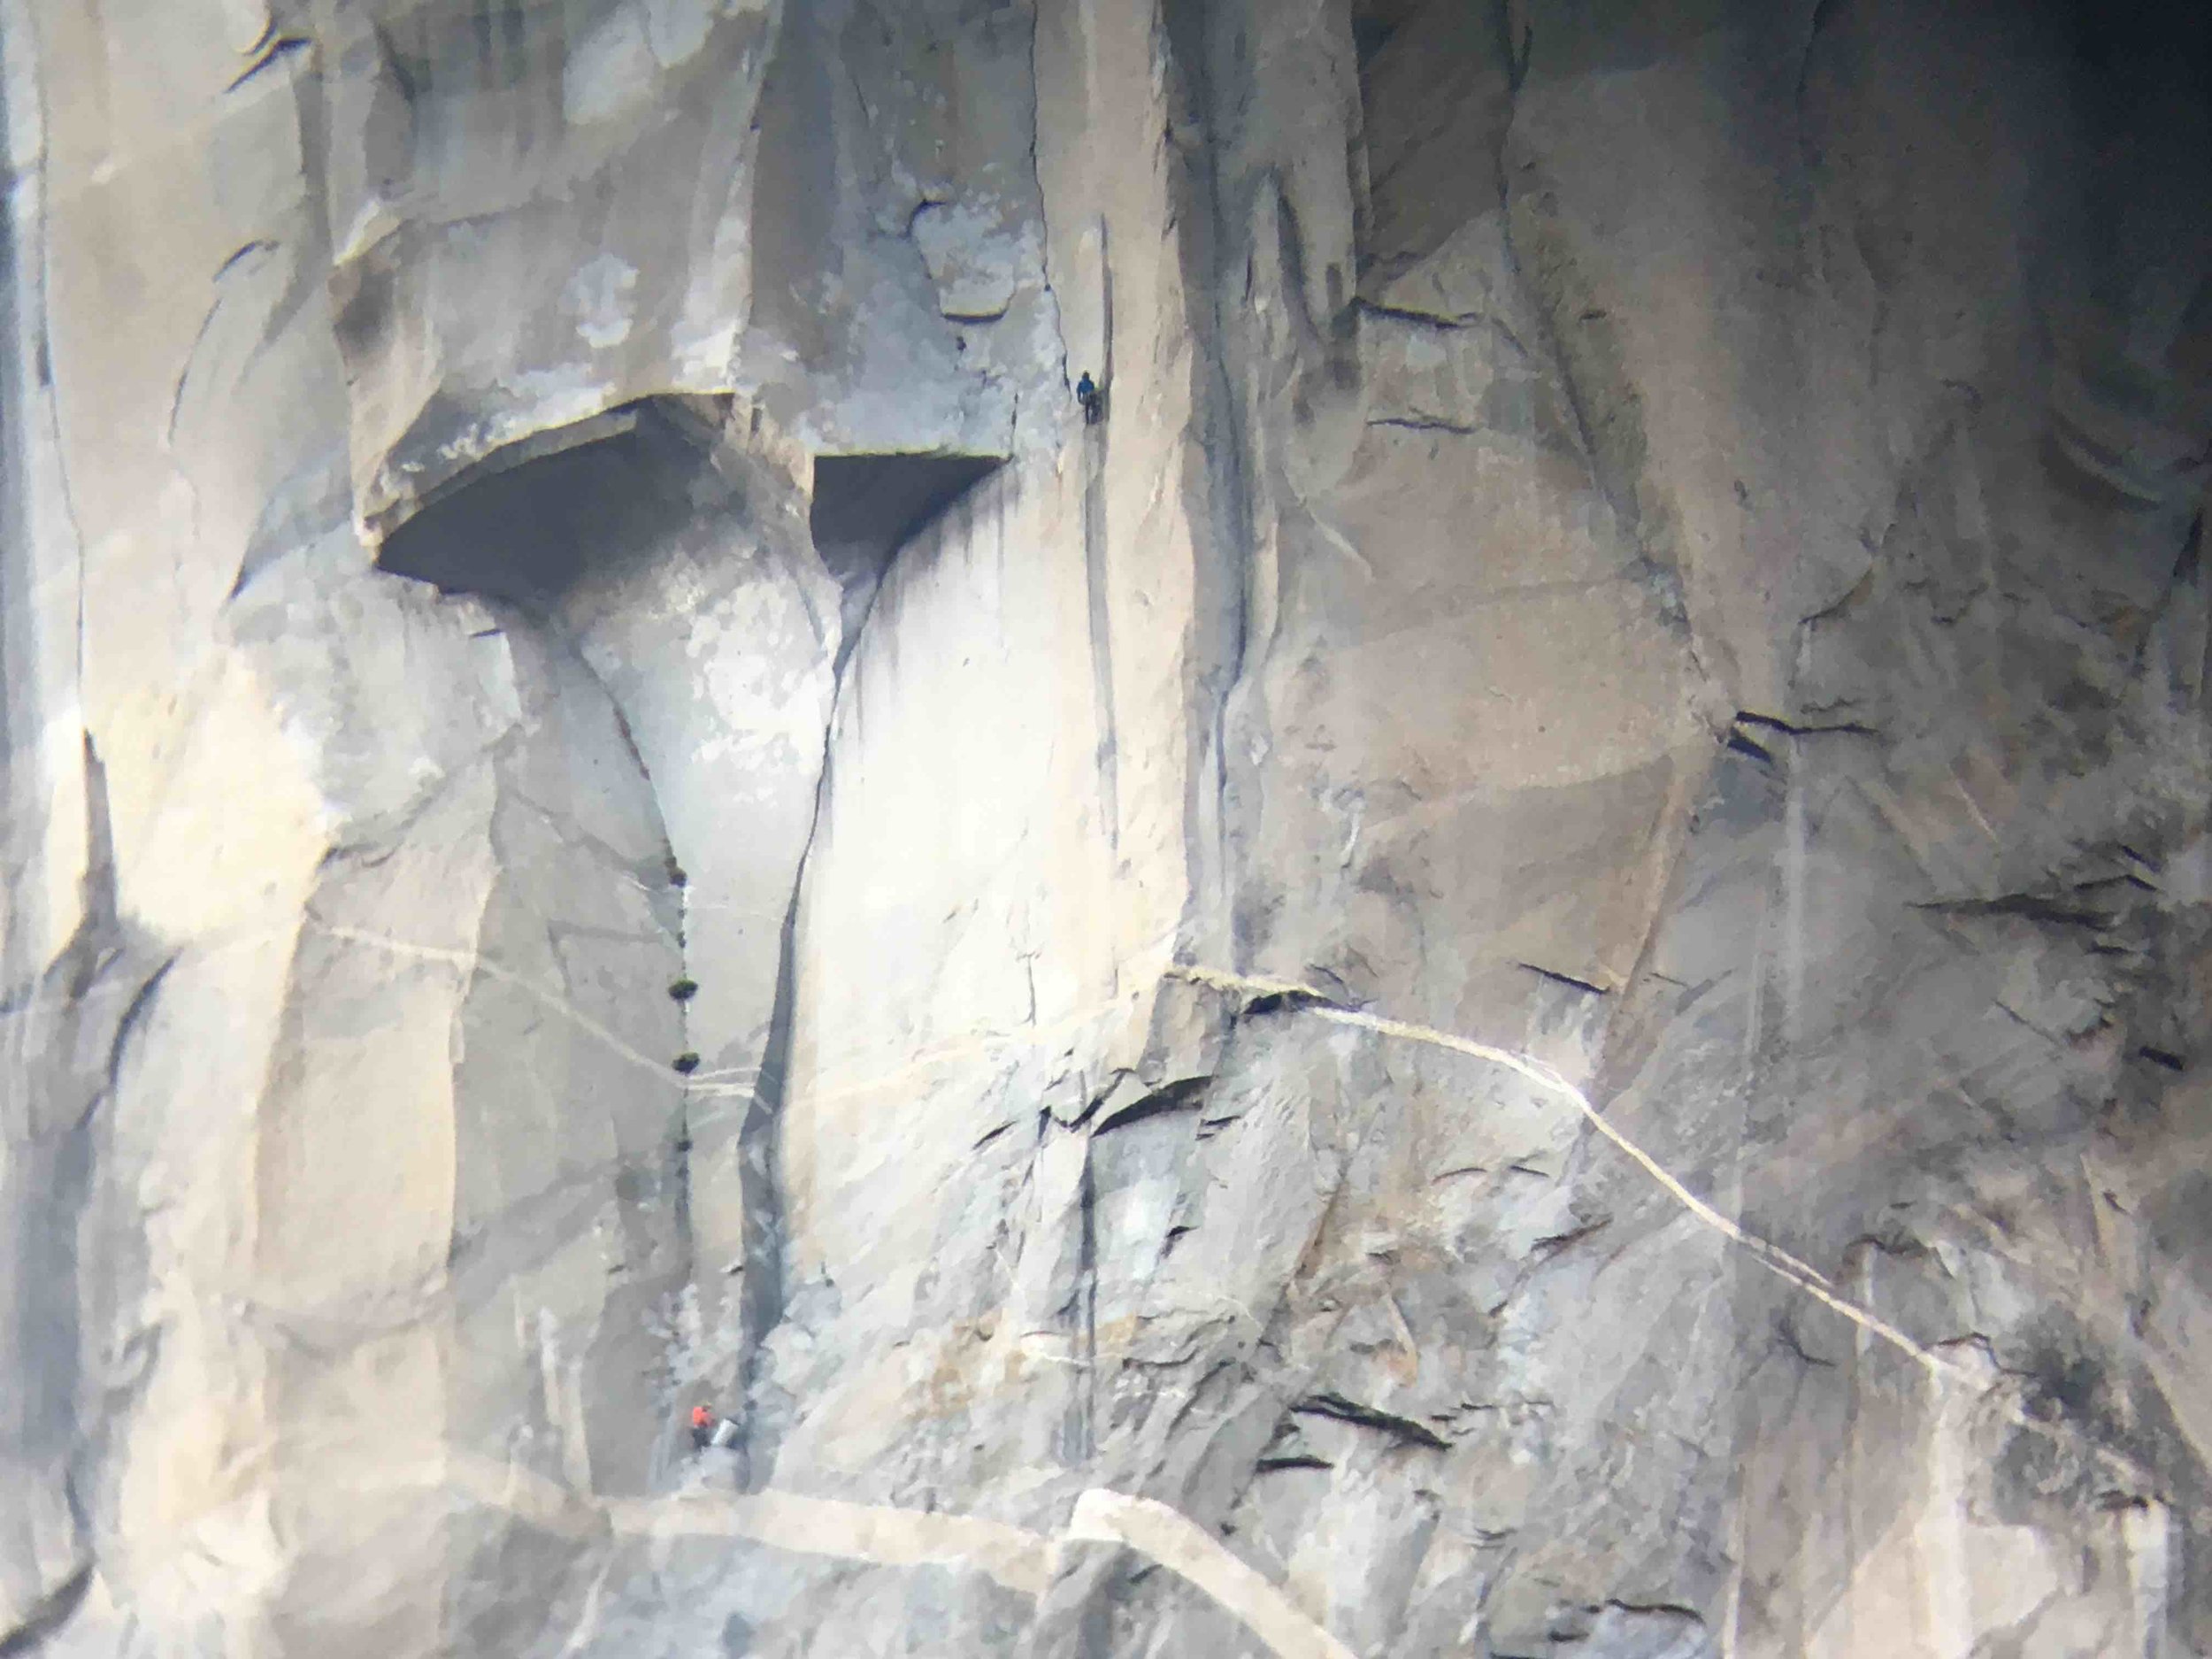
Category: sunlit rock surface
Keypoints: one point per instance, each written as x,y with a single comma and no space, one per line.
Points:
612,803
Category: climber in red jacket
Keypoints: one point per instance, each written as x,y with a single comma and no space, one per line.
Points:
709,1430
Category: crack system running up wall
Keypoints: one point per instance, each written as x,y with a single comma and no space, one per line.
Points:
578,540
668,560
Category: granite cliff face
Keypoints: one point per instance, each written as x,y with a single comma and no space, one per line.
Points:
1520,966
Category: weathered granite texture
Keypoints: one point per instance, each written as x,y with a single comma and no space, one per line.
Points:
1522,966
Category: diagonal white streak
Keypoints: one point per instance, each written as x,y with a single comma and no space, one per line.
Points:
877,1533
1195,1556
720,1083
1306,999
1024,1560
469,961
887,1536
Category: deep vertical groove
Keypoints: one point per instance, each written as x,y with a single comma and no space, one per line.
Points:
1082,1423
25,359
1095,555
47,1616
1222,519
763,1297
679,1162
18,347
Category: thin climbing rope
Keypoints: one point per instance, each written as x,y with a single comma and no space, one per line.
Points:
723,1082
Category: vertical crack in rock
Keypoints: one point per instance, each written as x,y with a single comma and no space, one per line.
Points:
1080,1430
865,509
1222,510
1612,443
762,1295
62,1045
1101,638
22,344
1067,372
595,510
30,427
637,541
681,1138
1822,15
48,1616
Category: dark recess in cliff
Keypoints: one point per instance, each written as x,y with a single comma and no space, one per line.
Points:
524,530
525,525
866,506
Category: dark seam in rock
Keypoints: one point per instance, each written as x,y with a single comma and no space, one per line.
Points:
275,52
1345,1410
